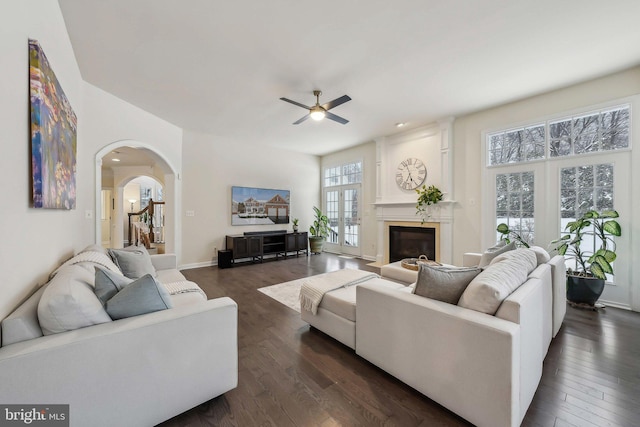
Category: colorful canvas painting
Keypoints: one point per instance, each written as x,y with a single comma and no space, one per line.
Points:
53,136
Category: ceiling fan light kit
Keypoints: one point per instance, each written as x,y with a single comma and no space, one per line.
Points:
319,112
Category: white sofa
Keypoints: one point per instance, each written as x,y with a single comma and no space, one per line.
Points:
137,371
485,368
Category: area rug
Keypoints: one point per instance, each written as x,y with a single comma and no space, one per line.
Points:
287,293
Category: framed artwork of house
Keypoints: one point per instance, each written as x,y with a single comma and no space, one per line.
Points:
259,206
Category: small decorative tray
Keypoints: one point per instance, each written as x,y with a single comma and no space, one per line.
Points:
414,263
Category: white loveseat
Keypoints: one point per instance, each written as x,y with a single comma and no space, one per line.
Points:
137,371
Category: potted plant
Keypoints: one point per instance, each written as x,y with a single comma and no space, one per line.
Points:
427,196
507,234
586,283
295,224
319,231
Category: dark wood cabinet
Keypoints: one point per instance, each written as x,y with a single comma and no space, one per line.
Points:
245,247
256,245
296,242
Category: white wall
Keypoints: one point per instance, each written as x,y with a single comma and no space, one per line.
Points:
366,153
38,240
212,165
468,168
27,254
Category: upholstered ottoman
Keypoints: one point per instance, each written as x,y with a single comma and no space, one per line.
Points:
336,314
396,271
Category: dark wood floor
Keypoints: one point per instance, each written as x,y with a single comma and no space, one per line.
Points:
290,375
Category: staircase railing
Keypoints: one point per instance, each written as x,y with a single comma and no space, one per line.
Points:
150,210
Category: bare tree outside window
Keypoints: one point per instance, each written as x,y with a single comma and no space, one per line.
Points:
585,188
518,145
515,203
602,131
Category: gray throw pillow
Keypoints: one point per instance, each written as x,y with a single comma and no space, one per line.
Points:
133,261
141,296
444,283
107,284
493,252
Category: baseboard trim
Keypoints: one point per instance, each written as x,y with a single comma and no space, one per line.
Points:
198,265
615,304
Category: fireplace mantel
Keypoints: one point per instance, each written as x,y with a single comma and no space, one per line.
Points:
433,145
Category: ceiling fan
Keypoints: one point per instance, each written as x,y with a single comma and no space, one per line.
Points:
319,112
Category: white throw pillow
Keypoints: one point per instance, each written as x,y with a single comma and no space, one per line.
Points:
504,275
541,254
69,302
493,252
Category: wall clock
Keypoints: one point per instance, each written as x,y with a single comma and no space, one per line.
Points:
411,173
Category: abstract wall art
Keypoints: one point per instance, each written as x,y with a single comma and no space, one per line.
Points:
53,136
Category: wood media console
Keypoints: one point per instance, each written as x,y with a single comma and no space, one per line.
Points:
255,245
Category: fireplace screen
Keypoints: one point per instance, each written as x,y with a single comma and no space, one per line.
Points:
411,242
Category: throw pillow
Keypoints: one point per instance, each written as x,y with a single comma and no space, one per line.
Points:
506,273
442,283
141,296
107,284
133,261
69,303
493,252
541,254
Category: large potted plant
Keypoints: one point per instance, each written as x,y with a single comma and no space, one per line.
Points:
586,283
319,231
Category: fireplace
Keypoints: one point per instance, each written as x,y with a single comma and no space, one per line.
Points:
411,242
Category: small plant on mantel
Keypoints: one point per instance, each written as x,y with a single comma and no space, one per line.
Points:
427,196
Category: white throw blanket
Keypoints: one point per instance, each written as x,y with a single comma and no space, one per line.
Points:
314,288
93,257
182,287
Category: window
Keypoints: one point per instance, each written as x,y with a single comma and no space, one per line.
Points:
350,173
515,146
584,188
514,203
601,131
571,160
342,192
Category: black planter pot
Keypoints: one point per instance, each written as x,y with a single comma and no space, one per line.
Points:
584,290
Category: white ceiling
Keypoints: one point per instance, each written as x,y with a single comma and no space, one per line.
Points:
219,67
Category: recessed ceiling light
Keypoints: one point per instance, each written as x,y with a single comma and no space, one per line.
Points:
115,160
399,125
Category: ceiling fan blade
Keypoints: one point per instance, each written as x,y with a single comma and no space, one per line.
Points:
295,103
336,118
302,119
338,101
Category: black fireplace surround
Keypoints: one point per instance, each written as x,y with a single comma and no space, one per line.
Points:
411,242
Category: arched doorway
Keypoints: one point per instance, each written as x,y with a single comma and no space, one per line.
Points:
143,194
135,159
